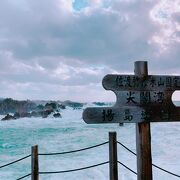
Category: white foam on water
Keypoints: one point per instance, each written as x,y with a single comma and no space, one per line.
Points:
69,133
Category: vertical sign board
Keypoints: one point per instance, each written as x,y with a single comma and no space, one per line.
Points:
141,99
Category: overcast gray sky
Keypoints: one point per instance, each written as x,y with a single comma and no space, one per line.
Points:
61,49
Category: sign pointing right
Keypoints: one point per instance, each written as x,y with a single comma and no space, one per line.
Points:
137,83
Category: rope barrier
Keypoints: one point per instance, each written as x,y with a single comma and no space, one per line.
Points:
127,167
126,148
166,171
15,161
67,152
71,170
24,176
78,169
152,164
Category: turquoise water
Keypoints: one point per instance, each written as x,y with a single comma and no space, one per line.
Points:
69,133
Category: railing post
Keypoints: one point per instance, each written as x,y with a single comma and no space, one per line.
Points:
143,135
34,163
113,166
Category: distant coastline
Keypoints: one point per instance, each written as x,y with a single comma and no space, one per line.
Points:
14,109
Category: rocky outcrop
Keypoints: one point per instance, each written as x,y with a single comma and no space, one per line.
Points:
99,103
29,109
46,113
74,105
25,114
42,113
57,115
61,106
8,117
9,105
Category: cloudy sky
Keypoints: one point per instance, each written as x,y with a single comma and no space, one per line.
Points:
61,49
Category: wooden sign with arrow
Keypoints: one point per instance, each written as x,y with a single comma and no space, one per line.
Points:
141,99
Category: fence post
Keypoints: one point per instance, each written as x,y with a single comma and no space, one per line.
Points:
34,163
143,135
113,166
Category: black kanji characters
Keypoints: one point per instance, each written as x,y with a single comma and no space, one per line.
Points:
127,115
145,97
159,97
107,115
130,98
119,81
145,116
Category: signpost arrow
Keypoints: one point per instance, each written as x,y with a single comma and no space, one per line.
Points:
113,115
141,83
131,114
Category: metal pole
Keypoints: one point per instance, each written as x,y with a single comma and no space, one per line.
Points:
143,135
34,163
113,166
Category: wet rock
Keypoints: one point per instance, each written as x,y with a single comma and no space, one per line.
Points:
36,114
8,117
57,115
46,113
61,106
25,114
16,115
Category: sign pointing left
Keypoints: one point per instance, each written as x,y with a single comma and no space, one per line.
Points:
113,115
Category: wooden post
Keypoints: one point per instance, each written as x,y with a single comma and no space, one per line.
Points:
113,166
143,136
34,163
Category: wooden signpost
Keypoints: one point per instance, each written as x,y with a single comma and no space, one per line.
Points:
141,99
113,115
143,136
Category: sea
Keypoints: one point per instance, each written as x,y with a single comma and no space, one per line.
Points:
71,133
